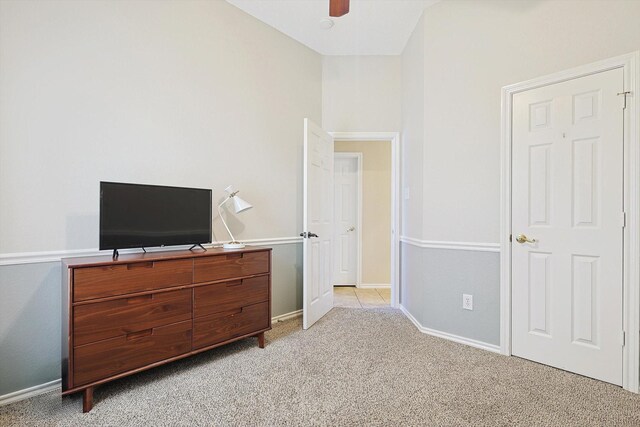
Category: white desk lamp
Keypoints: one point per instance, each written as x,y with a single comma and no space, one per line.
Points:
239,205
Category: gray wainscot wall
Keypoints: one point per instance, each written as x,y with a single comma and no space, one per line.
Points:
432,284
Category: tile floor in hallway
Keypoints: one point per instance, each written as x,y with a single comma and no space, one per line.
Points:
352,297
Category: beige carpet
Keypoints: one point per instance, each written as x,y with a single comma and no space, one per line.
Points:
355,367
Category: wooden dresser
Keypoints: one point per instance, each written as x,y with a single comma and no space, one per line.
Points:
139,311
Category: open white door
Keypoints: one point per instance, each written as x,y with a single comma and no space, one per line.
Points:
317,223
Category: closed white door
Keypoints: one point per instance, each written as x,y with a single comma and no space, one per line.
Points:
317,220
567,201
346,220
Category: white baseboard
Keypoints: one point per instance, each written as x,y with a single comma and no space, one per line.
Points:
451,337
287,316
29,392
374,285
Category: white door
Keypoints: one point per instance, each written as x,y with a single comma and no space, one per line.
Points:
318,224
346,219
568,199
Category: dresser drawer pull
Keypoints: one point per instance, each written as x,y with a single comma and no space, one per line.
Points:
139,334
235,283
135,265
234,312
140,299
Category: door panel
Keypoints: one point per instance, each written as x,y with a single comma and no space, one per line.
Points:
346,220
567,200
318,223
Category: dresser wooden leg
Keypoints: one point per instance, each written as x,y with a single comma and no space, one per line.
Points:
261,340
87,399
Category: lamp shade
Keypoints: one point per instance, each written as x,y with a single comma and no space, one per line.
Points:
240,205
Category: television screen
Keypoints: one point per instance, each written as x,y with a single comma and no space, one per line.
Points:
136,215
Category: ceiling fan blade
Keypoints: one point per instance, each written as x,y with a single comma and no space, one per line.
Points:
338,7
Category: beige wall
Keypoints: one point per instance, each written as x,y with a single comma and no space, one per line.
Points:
376,208
459,57
412,143
361,93
470,50
183,93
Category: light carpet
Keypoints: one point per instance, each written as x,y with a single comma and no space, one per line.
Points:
354,367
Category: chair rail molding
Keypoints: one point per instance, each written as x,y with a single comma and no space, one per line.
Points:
461,246
55,256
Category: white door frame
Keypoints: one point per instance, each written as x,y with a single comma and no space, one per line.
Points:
394,139
358,225
631,269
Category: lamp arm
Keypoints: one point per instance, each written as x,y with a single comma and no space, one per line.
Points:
233,239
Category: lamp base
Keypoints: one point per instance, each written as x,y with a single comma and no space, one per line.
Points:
233,245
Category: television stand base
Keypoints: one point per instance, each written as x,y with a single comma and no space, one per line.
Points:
115,254
196,245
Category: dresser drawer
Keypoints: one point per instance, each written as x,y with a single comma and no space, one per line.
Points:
227,296
98,282
230,266
109,319
225,325
103,359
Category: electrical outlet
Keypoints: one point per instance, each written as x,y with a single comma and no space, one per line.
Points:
467,302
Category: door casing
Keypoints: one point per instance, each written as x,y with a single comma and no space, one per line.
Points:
631,270
394,138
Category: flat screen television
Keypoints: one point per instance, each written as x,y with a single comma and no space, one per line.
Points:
137,215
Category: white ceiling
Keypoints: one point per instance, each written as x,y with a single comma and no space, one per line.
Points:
372,27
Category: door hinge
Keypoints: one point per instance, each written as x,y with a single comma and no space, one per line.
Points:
623,219
624,107
510,237
623,338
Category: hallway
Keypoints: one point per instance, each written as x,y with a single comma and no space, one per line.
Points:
352,297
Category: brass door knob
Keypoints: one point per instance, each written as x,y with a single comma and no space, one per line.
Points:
352,228
521,238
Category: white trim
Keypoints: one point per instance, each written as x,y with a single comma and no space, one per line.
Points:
631,274
358,157
461,246
374,285
451,337
394,137
274,241
56,256
631,361
45,256
30,392
286,316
